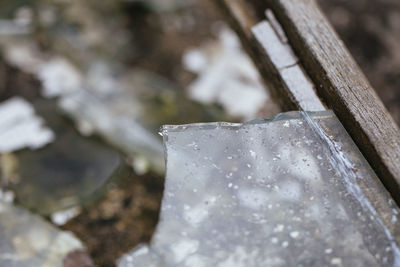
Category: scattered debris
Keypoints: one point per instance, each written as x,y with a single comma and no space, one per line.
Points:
20,127
6,196
113,111
23,55
226,75
20,24
63,216
11,27
59,77
29,241
71,171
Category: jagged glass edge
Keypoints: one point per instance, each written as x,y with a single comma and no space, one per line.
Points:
230,125
337,160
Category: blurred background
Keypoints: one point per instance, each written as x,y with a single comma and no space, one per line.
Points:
85,86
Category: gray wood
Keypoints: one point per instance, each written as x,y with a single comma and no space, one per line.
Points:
271,38
266,42
341,85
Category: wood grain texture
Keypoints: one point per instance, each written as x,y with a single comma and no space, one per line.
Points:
296,82
340,83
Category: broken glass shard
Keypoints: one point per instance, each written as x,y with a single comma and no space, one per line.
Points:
114,112
27,240
70,171
225,74
127,111
20,127
292,191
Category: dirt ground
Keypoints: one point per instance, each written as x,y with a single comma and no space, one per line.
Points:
126,216
128,213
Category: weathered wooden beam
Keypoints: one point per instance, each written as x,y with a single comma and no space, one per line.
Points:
266,42
272,39
341,85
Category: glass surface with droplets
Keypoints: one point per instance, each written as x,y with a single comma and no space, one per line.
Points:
291,191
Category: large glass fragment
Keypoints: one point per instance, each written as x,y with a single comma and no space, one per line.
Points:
292,191
29,241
